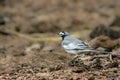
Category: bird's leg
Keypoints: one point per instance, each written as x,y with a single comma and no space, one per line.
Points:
110,55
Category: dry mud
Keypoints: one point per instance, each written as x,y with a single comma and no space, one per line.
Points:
30,48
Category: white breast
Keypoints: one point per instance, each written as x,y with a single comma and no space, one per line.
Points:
70,46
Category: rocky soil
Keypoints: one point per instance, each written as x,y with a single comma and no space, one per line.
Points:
30,47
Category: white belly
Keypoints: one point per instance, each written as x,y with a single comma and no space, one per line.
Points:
72,51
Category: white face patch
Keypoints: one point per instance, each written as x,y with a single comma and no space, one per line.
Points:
61,33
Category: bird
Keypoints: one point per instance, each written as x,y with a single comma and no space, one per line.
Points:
76,46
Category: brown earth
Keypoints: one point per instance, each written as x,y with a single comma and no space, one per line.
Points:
30,47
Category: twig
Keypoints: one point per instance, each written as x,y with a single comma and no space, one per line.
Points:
39,39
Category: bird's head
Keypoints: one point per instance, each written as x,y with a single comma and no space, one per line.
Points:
63,34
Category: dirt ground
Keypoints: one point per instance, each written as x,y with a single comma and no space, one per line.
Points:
30,47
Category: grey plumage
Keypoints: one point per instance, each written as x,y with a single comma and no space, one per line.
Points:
75,46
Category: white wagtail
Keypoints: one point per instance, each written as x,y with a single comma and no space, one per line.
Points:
75,46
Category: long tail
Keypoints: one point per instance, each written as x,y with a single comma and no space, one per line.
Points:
101,52
97,51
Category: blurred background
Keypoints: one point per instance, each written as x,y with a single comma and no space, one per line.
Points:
29,43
